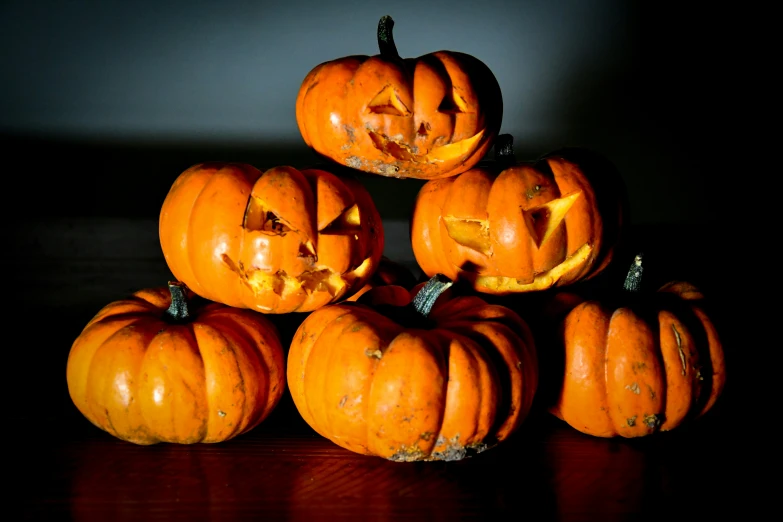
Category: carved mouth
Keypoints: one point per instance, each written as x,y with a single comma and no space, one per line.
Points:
319,279
404,152
542,281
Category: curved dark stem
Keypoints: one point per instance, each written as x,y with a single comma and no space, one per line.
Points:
178,310
424,300
504,148
386,38
633,280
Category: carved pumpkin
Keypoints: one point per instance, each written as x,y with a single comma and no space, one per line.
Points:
277,241
157,368
635,364
414,382
428,117
514,227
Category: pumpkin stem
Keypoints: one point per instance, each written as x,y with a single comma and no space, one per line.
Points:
504,148
633,281
425,299
386,39
178,310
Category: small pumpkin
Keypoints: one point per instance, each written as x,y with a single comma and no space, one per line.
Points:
428,117
512,227
388,273
635,364
277,241
160,367
429,378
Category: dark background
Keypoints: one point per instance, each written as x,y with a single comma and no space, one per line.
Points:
111,100
104,103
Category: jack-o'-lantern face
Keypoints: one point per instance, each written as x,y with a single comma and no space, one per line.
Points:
521,228
428,118
279,241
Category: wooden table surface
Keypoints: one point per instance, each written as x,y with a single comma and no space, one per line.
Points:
283,471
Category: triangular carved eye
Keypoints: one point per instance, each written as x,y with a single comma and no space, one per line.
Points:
453,103
346,223
307,250
543,220
260,219
470,233
388,102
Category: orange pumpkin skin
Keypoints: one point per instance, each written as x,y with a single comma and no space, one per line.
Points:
144,378
426,118
514,227
445,391
632,369
276,241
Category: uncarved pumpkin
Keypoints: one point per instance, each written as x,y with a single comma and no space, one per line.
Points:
428,117
277,241
511,227
158,368
413,381
634,364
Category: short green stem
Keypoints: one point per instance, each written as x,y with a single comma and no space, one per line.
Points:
178,309
416,313
425,299
386,38
633,280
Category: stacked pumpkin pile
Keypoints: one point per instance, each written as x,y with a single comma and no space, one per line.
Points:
380,364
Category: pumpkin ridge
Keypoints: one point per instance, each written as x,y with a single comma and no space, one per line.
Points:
676,371
593,218
326,340
192,246
712,358
440,354
507,415
144,331
633,342
384,332
179,331
226,344
235,327
296,369
110,311
474,351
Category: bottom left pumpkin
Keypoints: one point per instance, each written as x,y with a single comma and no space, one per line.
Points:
160,367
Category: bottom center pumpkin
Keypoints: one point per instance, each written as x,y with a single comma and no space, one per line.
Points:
422,378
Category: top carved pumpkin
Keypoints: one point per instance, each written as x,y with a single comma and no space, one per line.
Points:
426,118
513,227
